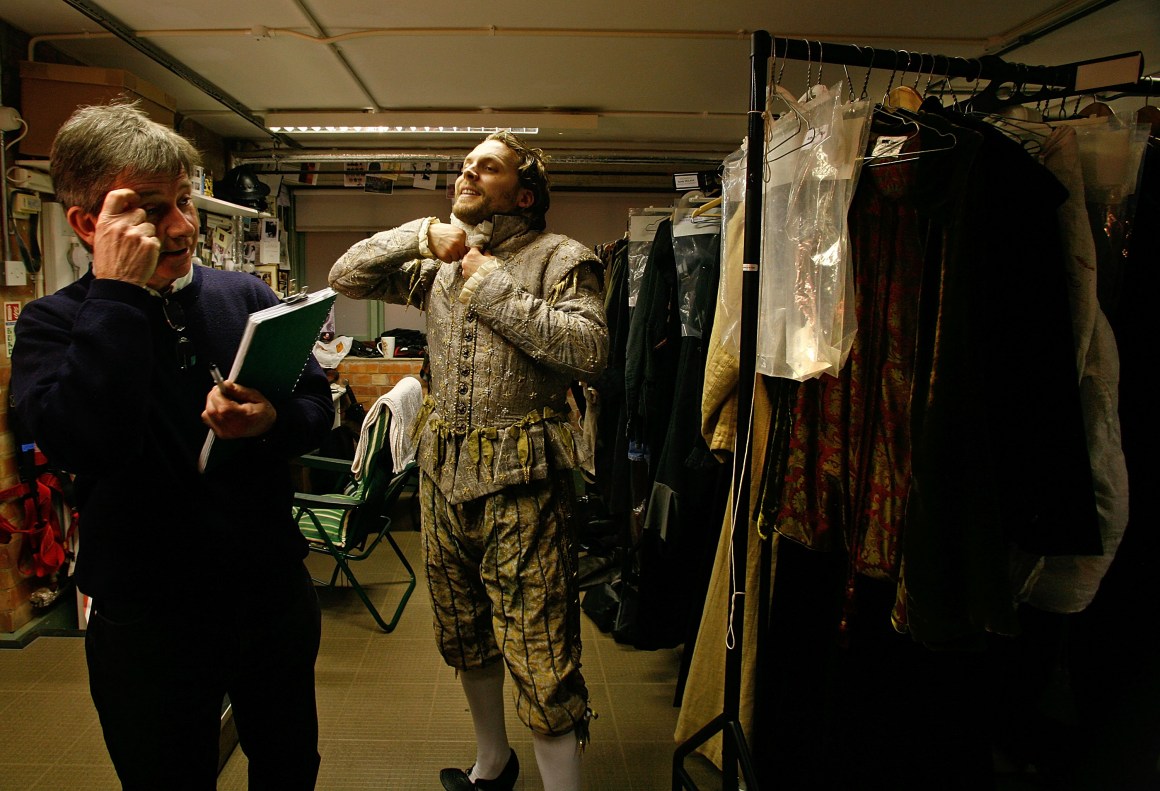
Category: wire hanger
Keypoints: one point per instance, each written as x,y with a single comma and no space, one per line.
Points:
912,120
865,94
779,91
850,82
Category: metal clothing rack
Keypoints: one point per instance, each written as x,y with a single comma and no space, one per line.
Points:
728,723
1007,83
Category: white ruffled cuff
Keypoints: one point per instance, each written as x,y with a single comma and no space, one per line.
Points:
424,241
473,282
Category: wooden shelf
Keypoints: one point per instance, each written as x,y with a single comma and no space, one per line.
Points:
219,206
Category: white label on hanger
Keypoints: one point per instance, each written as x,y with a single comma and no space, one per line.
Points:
888,146
693,226
815,136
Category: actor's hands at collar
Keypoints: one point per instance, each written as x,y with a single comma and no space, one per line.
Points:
472,262
447,242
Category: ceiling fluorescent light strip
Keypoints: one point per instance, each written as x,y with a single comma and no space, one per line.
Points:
421,123
400,130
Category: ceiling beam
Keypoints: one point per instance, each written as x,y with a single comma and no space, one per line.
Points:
130,37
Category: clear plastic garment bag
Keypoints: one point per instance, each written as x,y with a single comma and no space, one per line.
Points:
813,156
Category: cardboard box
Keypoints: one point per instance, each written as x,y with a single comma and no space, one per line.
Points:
15,586
10,578
50,92
15,597
10,551
11,620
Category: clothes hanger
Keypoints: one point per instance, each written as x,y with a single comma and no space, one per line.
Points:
802,133
947,141
779,91
1031,135
966,108
685,205
956,105
850,82
904,97
1096,109
930,75
904,118
1013,121
890,82
1149,114
866,79
704,208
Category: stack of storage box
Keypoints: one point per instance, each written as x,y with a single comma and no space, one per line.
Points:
50,92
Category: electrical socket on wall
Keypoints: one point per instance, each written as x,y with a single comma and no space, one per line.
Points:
25,204
15,274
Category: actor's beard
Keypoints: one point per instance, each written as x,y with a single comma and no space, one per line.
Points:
486,208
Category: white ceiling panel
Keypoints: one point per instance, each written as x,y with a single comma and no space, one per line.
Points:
672,75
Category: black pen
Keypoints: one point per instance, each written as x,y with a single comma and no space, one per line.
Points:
218,379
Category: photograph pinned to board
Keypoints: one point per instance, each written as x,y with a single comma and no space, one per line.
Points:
452,173
425,175
355,174
270,251
221,254
269,275
380,179
308,173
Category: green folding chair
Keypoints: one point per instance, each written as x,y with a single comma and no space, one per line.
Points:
348,526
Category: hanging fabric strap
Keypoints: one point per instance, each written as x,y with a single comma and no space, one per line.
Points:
41,523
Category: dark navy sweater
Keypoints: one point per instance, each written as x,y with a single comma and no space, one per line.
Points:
96,381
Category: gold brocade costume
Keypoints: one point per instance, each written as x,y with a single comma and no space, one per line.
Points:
496,447
501,359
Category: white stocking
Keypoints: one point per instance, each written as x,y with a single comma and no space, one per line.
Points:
484,690
558,758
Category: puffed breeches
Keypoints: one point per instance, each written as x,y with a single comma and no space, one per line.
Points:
502,572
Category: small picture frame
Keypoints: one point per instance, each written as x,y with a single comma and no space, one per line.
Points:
269,275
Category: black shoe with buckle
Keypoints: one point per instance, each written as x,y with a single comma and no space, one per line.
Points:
460,780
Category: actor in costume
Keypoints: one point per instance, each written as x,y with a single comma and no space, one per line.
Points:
514,316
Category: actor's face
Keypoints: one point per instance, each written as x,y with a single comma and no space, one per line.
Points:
489,184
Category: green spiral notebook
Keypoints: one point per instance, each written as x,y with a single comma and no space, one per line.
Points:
274,350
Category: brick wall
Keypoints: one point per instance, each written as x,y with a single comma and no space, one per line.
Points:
15,610
15,587
370,378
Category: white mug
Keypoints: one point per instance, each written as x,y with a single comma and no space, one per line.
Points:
387,347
